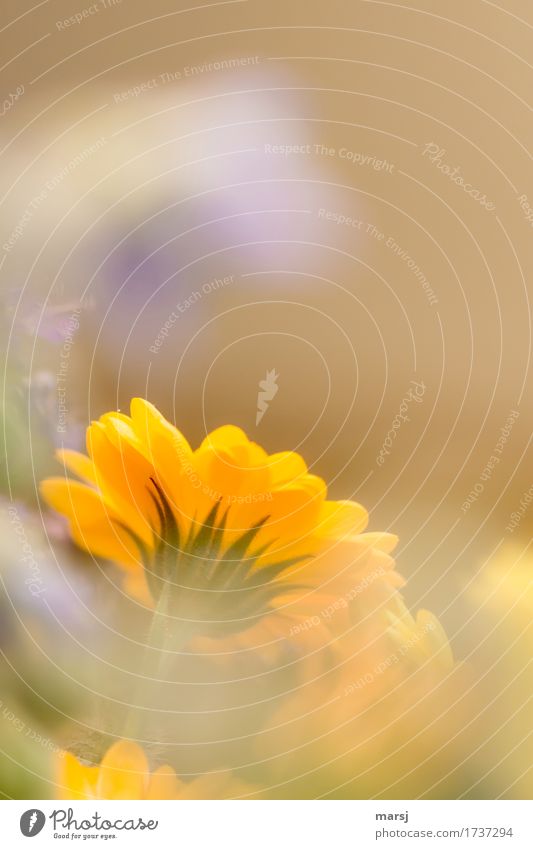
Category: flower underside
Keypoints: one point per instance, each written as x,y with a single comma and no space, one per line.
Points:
194,578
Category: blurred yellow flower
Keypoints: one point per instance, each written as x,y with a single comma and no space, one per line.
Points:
124,773
244,557
500,630
218,536
377,723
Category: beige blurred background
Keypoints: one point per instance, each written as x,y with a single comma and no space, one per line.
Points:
151,152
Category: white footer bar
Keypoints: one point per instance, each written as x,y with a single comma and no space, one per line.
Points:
270,825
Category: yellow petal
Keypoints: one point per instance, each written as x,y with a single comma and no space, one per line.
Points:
76,500
285,467
120,429
158,434
227,436
78,463
123,772
171,457
296,506
93,521
123,476
435,638
342,518
214,785
164,784
74,780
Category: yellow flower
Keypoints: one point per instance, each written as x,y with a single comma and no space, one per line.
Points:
218,536
377,723
500,630
124,773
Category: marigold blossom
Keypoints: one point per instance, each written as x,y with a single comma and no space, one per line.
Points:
219,536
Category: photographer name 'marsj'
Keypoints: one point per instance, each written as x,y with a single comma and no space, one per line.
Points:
64,819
